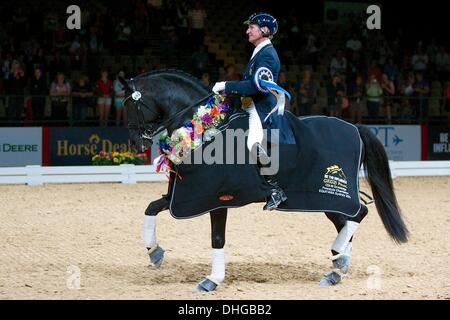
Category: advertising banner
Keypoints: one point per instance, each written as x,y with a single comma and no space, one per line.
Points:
20,147
402,142
438,144
77,146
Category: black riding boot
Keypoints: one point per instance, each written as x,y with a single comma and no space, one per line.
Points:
277,195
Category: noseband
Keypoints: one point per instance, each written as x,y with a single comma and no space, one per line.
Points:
148,131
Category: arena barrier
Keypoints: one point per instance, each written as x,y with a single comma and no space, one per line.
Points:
128,173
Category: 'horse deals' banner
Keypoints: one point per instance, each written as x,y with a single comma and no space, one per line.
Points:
77,146
20,147
402,142
438,143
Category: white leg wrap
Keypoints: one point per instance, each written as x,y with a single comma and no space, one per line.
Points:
348,250
343,238
218,266
149,231
255,129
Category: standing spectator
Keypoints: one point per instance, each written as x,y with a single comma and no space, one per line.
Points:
104,89
16,89
306,94
119,96
38,91
374,94
407,90
197,23
338,64
60,91
421,96
82,96
58,65
374,70
388,93
355,97
443,64
335,92
391,70
447,101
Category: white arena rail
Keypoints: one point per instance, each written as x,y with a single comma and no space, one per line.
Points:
37,175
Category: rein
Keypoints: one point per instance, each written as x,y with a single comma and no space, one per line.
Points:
148,132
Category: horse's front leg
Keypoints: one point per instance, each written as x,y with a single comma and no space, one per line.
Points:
154,251
218,226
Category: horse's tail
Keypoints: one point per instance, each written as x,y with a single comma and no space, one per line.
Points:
376,167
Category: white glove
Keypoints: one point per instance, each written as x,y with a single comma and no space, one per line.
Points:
219,86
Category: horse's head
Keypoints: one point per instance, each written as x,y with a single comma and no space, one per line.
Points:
154,101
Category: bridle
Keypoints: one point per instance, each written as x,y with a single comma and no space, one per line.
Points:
147,131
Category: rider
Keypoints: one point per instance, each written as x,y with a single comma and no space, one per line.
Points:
257,102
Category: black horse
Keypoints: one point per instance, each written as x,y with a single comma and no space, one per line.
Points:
165,99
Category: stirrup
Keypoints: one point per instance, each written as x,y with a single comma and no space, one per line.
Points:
276,198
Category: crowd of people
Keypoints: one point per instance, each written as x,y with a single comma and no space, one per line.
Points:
51,75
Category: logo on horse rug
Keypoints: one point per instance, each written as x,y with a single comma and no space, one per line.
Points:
335,182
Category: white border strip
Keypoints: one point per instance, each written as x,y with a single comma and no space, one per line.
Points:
37,175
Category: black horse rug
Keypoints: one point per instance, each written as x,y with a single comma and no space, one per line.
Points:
319,161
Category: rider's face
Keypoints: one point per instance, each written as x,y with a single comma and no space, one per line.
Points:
254,33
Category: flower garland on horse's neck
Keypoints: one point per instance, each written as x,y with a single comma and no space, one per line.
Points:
174,149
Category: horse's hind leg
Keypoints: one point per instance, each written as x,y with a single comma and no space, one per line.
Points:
341,248
155,252
218,226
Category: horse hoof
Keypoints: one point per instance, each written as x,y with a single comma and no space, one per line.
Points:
330,279
206,285
157,256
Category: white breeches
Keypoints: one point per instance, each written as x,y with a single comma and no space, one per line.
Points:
255,132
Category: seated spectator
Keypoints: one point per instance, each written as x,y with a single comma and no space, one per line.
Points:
353,44
374,94
77,54
82,98
200,61
38,91
206,79
104,90
59,91
419,61
119,97
306,94
338,64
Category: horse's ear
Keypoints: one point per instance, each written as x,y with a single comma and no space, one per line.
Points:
124,82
